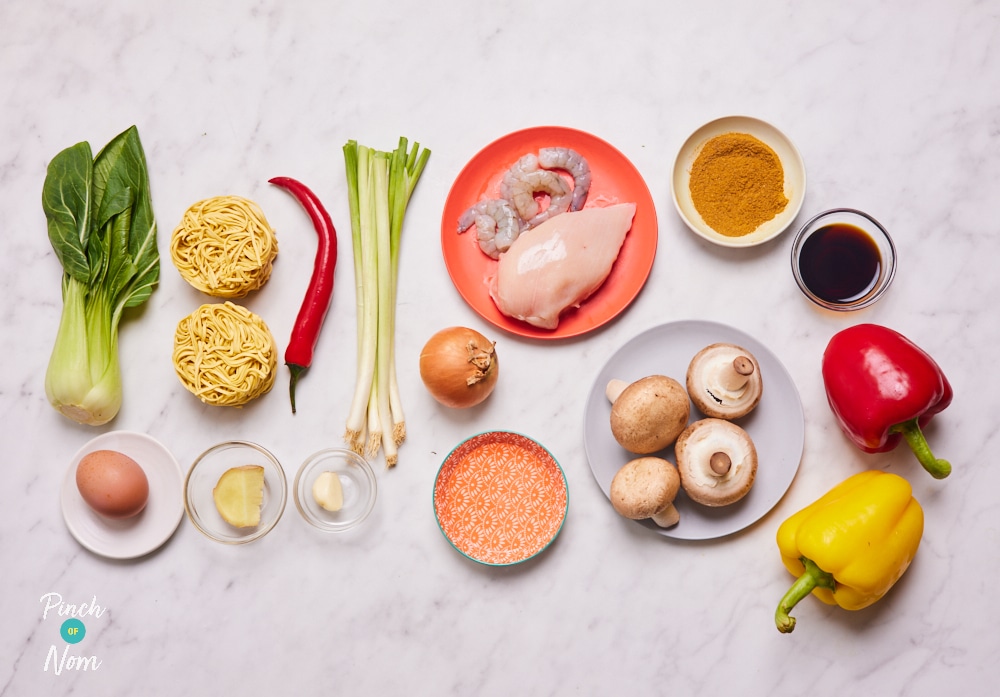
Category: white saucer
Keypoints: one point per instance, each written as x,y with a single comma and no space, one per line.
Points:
132,537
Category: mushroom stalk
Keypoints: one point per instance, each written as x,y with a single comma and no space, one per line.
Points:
614,389
720,463
667,517
735,376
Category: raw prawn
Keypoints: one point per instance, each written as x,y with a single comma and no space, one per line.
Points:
524,179
574,163
497,225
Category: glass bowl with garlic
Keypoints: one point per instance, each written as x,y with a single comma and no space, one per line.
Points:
335,489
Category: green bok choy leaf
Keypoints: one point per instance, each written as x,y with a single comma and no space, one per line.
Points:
101,226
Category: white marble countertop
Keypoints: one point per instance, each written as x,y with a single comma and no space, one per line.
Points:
894,107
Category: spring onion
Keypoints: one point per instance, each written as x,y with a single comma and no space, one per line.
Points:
379,185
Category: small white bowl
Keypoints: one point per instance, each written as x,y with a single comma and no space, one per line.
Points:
357,479
791,162
205,474
132,537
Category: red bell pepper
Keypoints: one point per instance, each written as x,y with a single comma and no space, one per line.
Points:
882,388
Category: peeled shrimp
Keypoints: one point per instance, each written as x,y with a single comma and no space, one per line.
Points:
524,179
574,163
497,225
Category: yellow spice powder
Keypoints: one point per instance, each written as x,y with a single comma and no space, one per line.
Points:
737,184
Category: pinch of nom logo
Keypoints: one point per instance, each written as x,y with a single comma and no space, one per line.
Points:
72,630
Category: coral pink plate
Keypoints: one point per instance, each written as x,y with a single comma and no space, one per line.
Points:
500,498
613,180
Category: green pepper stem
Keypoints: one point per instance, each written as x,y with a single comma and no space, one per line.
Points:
938,468
296,371
814,577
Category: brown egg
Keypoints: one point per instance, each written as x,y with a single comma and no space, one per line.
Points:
112,483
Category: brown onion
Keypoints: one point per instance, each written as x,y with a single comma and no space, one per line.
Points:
459,367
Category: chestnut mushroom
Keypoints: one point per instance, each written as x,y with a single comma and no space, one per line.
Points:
646,488
724,381
648,414
717,462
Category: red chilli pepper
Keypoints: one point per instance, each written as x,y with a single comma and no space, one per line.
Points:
299,354
882,387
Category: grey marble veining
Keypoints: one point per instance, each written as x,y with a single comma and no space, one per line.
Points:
894,107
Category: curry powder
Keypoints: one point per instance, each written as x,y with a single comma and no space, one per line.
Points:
737,184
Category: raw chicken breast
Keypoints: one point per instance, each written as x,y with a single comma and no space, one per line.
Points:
560,263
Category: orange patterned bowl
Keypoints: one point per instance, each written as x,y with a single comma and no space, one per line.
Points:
500,498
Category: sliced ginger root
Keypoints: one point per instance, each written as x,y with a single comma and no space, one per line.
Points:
239,495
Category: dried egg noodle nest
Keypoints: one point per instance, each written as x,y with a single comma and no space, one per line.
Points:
225,354
224,246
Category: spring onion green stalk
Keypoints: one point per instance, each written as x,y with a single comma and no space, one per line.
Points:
385,305
366,267
379,185
353,436
405,171
102,229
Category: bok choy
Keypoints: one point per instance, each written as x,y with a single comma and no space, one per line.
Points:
102,229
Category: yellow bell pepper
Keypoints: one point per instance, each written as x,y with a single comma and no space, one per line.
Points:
851,545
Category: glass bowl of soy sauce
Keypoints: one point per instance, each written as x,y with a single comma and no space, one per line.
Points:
843,259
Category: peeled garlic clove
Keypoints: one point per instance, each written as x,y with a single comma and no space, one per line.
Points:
328,492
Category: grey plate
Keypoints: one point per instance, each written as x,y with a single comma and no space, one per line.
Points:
777,425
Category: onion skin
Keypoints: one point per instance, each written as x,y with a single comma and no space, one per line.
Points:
459,367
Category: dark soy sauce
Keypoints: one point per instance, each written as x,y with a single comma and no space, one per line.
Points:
840,263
